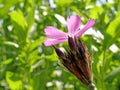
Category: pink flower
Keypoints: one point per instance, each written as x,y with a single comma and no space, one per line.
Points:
55,36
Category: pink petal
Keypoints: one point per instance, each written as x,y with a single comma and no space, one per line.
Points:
88,25
53,32
73,23
50,42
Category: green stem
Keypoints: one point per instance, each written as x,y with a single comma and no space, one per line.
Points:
103,72
92,87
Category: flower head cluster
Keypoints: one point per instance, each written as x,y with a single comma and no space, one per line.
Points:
77,59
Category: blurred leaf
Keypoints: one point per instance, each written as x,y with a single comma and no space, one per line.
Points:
20,26
7,4
113,73
106,19
43,76
95,12
8,61
36,43
17,16
50,57
11,44
30,17
114,27
64,2
34,56
14,81
112,32
116,56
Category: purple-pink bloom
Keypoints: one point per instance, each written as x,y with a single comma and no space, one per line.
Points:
56,36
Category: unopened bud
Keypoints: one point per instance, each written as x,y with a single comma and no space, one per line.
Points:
59,52
72,43
77,60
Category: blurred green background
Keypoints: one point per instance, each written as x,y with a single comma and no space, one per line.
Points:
26,64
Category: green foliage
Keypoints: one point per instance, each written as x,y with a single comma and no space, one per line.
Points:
26,64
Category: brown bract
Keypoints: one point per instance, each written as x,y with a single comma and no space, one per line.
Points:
77,60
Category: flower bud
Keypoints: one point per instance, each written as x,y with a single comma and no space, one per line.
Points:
77,60
59,52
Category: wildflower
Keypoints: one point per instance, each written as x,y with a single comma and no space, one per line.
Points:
77,59
56,36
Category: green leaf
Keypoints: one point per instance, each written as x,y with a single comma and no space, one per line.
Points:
20,26
7,4
8,61
34,57
64,2
95,12
50,57
17,16
113,73
13,80
11,43
106,19
30,17
112,32
36,43
114,27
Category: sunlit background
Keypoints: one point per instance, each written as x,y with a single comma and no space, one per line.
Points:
26,64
